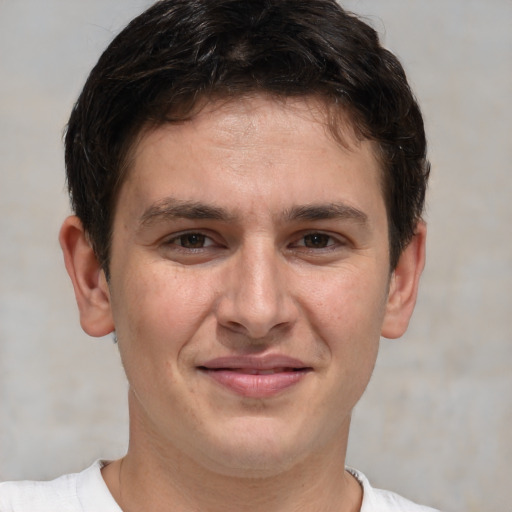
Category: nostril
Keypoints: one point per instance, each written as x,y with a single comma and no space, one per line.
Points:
235,326
255,301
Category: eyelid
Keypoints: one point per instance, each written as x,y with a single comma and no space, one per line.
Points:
337,240
212,240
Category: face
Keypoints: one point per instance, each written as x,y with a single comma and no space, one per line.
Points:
249,283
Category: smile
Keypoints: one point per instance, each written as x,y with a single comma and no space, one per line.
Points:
256,377
254,371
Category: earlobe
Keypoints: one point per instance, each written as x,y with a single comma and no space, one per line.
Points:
403,288
88,278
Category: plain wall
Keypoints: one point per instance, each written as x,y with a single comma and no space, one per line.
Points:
435,423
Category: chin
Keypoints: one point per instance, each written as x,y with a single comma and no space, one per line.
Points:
256,451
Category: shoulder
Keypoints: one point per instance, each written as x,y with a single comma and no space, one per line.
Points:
378,500
76,492
28,496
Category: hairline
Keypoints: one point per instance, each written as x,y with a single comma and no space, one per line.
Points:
338,120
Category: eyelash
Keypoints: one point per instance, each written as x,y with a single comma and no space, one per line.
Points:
190,234
318,236
328,242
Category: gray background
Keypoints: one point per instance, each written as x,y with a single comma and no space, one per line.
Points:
435,423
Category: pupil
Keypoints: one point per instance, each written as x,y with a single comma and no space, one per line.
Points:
192,241
316,240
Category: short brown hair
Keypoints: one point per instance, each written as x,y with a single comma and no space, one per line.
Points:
180,52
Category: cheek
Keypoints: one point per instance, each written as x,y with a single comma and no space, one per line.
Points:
161,310
160,314
346,313
350,299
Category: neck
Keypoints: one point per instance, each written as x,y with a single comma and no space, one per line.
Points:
164,478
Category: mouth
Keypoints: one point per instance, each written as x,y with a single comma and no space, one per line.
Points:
256,377
253,371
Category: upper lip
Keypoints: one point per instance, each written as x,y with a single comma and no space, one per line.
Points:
266,362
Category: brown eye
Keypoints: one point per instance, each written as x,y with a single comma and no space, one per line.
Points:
317,240
191,240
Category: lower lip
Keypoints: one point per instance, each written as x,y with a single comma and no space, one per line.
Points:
256,386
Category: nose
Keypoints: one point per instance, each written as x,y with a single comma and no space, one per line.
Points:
256,300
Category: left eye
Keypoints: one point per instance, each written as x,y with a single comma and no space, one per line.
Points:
192,241
316,241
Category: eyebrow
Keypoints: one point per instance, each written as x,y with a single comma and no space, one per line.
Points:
171,208
326,211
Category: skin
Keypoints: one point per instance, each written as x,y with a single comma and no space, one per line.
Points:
246,231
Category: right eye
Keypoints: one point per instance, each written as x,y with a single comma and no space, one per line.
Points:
191,241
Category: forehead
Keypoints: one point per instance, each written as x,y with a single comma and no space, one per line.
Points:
239,114
247,146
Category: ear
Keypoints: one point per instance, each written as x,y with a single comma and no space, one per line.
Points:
403,287
89,281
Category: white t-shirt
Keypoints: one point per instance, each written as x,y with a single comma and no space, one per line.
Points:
87,492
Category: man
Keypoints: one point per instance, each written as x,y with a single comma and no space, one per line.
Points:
248,180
